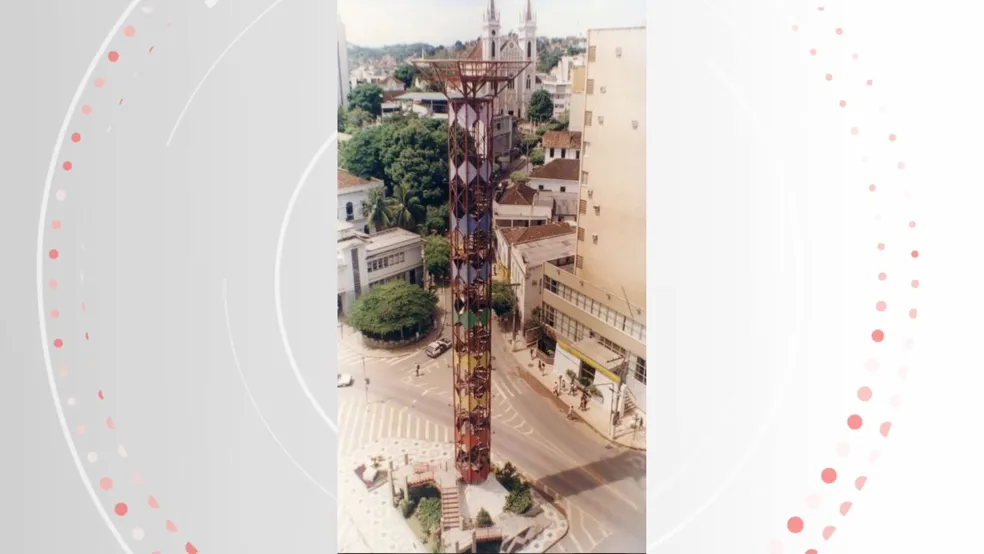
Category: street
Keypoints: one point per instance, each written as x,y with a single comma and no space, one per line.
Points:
601,487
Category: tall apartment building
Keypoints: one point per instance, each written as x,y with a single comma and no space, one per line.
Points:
343,66
595,308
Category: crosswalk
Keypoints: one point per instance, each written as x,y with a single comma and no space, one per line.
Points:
348,358
359,424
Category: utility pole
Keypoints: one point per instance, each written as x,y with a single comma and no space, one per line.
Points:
366,377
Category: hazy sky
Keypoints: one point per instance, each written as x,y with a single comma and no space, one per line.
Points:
381,22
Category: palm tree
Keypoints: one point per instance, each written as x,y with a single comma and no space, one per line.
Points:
376,209
405,209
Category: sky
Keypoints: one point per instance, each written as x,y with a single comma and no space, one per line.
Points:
382,22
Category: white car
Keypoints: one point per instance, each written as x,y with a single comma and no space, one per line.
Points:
344,380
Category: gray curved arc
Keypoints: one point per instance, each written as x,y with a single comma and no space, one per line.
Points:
46,194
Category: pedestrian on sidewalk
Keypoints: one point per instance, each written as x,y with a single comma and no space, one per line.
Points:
418,370
531,353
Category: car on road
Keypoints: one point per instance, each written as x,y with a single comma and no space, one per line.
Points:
438,347
344,380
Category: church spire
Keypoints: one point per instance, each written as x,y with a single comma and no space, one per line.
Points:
490,12
528,14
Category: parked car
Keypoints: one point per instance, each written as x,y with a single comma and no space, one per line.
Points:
438,347
344,380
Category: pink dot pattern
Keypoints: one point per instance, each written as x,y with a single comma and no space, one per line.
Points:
60,252
891,317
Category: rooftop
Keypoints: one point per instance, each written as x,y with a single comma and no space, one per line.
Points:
518,195
561,170
428,96
521,235
598,353
562,139
347,180
390,238
538,252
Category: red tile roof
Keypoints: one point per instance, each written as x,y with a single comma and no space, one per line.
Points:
347,180
521,235
561,170
562,139
518,195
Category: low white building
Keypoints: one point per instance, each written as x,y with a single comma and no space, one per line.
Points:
353,192
557,182
367,261
561,145
521,206
521,253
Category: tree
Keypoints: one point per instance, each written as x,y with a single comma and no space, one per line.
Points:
406,73
368,97
519,177
574,50
537,156
341,119
564,120
529,141
415,154
376,209
363,153
483,518
519,500
547,60
393,311
405,208
541,106
503,299
436,220
437,258
356,119
429,513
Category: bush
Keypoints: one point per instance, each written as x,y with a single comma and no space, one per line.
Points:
483,519
437,258
503,299
393,311
507,476
537,156
429,513
519,500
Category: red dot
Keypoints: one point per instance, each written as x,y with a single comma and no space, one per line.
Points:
855,131
813,51
53,254
129,31
871,188
56,224
120,509
913,313
76,137
840,31
67,166
796,28
881,305
795,525
864,394
891,137
106,484
901,165
912,224
58,343
915,283
870,82
915,253
854,422
877,335
811,551
53,284
55,314
86,109
828,475
114,55
829,77
882,276
881,245
843,103
854,56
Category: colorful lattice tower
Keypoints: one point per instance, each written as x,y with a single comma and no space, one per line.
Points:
471,88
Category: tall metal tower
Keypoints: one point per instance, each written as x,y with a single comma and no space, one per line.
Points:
471,87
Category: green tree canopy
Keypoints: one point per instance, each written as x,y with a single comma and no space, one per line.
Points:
341,119
547,60
363,153
437,258
393,311
356,118
405,208
541,106
436,220
483,519
529,141
376,209
367,97
537,156
406,73
519,177
503,299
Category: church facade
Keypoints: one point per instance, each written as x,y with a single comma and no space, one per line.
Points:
512,46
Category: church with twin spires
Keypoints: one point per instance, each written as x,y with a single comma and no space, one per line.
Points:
511,46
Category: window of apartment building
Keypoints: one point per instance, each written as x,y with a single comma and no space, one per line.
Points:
579,263
563,189
550,284
640,370
589,87
582,207
592,53
580,234
587,119
584,177
349,212
577,154
384,262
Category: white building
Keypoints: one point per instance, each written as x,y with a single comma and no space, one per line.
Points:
521,206
367,261
343,66
390,83
353,191
561,145
521,253
557,183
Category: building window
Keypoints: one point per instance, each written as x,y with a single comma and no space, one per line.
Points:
618,52
511,85
592,52
580,234
563,153
579,263
528,83
563,189
551,152
640,370
529,50
589,87
349,212
588,116
577,154
582,207
493,46
584,177
539,187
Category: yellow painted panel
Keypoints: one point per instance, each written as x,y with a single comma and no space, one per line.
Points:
584,358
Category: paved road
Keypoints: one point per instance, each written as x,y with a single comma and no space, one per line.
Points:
601,487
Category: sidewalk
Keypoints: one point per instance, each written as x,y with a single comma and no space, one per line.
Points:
596,417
